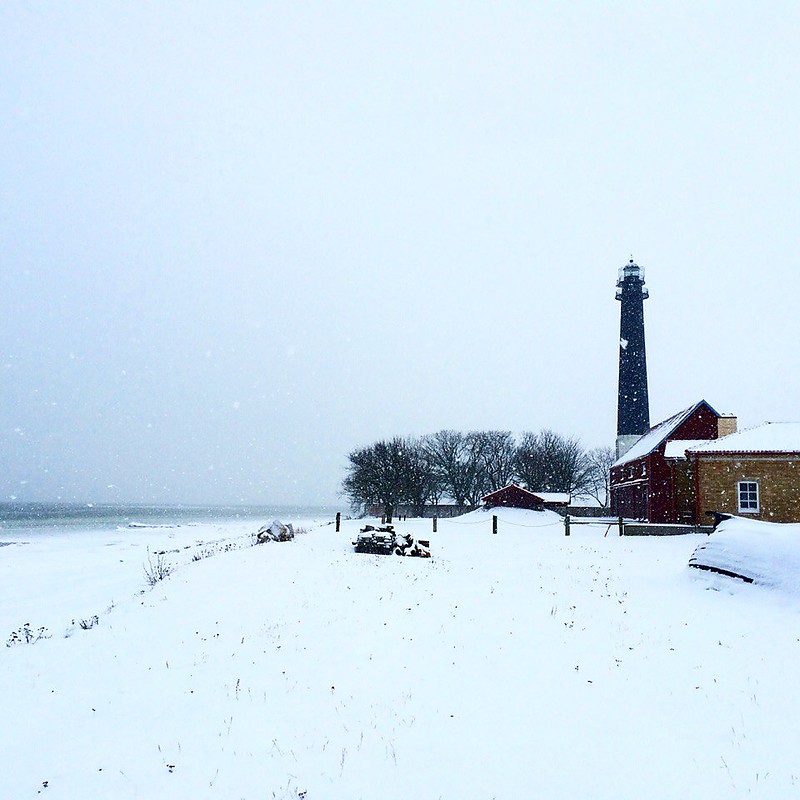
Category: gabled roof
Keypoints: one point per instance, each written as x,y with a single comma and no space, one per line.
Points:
557,498
770,437
656,435
542,497
504,488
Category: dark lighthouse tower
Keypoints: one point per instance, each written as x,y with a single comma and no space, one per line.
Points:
633,408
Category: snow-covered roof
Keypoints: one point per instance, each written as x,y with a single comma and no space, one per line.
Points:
544,497
503,488
655,436
553,497
770,437
677,447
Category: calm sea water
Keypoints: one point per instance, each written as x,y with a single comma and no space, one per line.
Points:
73,516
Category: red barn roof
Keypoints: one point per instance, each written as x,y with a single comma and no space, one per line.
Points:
515,496
656,436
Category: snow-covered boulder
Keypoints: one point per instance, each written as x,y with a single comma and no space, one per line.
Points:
764,553
276,531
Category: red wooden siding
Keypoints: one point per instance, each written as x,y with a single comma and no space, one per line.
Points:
513,496
645,488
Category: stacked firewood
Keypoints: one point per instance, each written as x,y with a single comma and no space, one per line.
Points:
379,541
383,540
406,546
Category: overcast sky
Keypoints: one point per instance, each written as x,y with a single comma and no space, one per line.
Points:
238,240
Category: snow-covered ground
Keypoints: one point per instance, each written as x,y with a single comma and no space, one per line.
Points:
521,665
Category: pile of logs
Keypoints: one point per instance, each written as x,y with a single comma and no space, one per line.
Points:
383,541
406,546
379,541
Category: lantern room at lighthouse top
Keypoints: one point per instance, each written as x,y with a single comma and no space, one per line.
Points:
629,277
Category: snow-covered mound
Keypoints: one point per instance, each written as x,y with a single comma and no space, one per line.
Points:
523,517
764,553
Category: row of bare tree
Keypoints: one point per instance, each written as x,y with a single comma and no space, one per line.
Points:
463,467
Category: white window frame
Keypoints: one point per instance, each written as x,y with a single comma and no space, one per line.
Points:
747,507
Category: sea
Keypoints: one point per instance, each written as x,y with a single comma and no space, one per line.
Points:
74,517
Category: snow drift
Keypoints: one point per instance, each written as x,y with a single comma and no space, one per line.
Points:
764,553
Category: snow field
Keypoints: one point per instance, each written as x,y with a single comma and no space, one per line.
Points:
519,665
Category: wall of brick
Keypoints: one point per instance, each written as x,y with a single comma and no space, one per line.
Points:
726,425
778,486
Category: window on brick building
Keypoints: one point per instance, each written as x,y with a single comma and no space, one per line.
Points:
748,496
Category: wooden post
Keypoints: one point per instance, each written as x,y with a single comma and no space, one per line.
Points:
338,520
621,526
434,524
494,524
383,519
566,525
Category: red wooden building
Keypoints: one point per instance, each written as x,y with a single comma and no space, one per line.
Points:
647,484
513,496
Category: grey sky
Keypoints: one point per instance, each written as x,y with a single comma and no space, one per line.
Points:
239,239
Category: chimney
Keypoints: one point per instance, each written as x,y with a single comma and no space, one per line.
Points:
726,425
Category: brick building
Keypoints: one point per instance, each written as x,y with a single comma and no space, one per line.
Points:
753,473
696,462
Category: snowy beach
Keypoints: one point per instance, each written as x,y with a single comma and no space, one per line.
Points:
525,664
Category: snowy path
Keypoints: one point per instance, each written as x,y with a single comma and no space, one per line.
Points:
522,665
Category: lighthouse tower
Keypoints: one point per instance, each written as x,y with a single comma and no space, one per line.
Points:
633,408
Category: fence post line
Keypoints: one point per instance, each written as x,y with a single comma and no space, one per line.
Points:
434,524
621,526
494,524
566,525
338,520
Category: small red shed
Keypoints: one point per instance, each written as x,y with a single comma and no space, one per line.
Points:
514,496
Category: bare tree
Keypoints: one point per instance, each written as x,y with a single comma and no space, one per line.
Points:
550,462
420,484
359,484
530,468
376,475
569,468
452,460
598,483
495,451
473,467
389,472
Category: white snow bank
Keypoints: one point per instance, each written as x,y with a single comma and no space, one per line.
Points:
512,516
51,579
765,553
